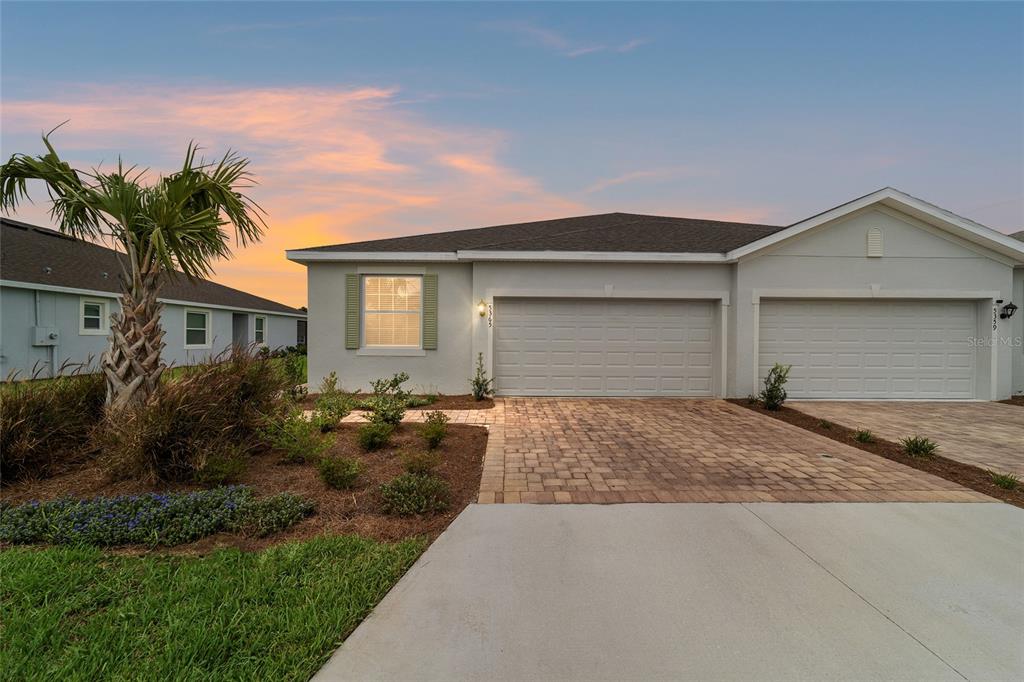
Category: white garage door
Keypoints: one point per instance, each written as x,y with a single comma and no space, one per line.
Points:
593,347
871,349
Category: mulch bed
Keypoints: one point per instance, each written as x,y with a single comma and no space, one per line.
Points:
967,475
1017,400
355,511
442,402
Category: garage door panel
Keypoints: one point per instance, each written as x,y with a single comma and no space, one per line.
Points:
603,347
871,349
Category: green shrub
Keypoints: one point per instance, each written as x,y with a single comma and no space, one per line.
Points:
299,439
481,385
294,366
421,462
411,494
919,446
825,424
339,472
150,519
333,404
863,436
420,400
388,402
44,423
374,435
773,395
434,428
222,463
225,400
1005,481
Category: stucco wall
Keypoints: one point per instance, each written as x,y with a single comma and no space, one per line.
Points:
918,262
61,310
1015,342
446,369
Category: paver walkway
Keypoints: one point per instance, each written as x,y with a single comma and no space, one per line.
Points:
678,450
989,435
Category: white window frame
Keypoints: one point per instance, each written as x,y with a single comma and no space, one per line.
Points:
185,327
256,318
104,316
397,350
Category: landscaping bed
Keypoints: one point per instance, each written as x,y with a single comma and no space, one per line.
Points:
1017,400
427,402
357,510
966,475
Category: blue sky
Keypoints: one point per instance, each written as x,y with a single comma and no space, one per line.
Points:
366,120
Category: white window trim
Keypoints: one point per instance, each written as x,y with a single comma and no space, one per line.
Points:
386,350
265,327
104,316
209,321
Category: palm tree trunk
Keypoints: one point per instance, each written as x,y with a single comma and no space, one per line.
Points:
132,362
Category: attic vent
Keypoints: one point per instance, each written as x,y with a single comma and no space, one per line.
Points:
874,243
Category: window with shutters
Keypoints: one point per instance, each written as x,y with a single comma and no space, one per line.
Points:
392,311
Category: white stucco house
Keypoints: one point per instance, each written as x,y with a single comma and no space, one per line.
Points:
57,294
884,297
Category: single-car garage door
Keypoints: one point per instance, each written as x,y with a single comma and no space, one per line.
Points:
594,347
871,349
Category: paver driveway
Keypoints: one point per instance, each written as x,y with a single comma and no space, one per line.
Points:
678,450
989,435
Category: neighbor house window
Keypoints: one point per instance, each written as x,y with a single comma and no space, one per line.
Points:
93,316
392,311
197,329
260,332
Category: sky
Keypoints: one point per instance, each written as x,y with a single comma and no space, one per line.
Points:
373,120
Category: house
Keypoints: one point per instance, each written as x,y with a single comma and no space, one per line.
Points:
884,297
57,294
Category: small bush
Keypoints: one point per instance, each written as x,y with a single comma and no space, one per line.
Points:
420,400
299,439
919,446
388,402
333,404
411,494
339,472
421,462
434,428
47,422
863,436
151,519
825,424
481,385
294,366
225,400
374,435
1005,481
223,463
773,395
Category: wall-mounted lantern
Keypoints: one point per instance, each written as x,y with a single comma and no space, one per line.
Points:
481,308
1007,311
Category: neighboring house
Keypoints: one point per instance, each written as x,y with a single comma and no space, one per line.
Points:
57,294
885,297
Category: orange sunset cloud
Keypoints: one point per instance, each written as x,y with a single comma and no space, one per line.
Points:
333,165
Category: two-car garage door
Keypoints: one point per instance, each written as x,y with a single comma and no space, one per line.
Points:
598,347
871,349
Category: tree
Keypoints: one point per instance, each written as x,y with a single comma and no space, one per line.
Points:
168,228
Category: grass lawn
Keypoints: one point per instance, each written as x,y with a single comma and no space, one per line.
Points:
80,613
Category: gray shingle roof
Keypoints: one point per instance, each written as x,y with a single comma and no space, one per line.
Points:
38,255
604,232
1018,235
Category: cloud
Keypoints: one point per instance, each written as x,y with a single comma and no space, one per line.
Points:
535,35
333,164
657,174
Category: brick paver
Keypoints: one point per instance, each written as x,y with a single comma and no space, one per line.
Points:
677,450
989,435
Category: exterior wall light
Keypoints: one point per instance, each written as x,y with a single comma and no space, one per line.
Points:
1007,311
481,308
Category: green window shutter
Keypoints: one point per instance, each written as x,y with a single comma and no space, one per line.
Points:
430,312
352,312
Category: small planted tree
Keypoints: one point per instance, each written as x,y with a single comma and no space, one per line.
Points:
175,224
774,392
483,387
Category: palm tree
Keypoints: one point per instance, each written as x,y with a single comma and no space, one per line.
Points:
171,227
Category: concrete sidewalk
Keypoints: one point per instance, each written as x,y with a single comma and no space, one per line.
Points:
706,592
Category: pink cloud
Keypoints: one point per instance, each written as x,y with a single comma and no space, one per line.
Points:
333,165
